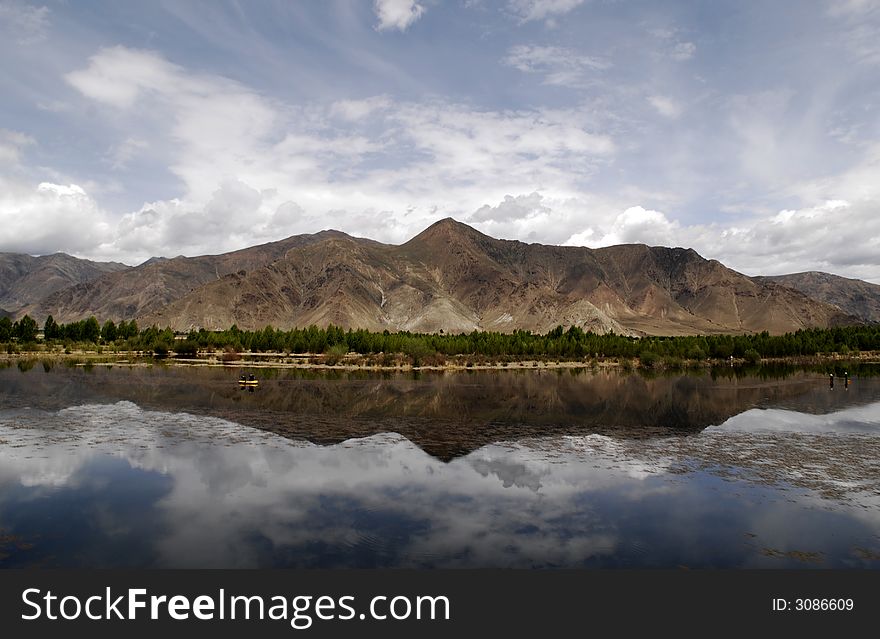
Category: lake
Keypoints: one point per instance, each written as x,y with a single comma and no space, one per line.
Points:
170,466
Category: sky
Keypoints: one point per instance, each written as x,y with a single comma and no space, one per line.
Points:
749,131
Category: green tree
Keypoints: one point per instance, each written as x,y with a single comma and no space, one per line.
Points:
109,332
25,329
5,329
51,330
127,330
91,330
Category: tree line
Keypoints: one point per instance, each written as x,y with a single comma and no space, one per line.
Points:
573,343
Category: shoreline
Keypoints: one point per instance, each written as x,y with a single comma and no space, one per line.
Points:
317,361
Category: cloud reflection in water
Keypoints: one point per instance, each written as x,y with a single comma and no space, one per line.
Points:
137,487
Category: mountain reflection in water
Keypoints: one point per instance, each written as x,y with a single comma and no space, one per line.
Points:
180,468
445,414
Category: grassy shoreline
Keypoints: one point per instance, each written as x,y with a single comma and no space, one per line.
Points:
398,362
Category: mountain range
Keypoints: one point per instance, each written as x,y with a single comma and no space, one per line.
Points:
450,277
25,280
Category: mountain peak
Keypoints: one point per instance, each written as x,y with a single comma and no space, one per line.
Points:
447,230
449,276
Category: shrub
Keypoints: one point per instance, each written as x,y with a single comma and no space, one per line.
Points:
649,359
186,347
335,353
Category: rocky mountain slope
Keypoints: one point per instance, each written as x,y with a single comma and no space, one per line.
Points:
856,297
24,279
451,277
139,291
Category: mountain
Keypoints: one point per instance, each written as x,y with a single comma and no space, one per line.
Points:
454,278
25,279
856,297
139,291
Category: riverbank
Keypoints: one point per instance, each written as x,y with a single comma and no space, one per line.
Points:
397,362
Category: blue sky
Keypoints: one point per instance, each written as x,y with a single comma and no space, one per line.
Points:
749,131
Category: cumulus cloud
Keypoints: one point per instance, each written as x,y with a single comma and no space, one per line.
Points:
511,208
639,225
548,218
835,236
254,169
397,14
49,218
559,65
235,215
635,225
528,10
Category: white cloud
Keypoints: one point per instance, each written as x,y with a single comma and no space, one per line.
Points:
49,218
853,7
835,236
665,106
354,110
511,208
635,225
11,144
235,215
673,46
254,169
559,65
528,10
860,21
548,218
23,23
397,14
124,152
682,51
118,76
639,225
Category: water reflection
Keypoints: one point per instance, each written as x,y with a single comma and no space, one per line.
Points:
447,415
118,485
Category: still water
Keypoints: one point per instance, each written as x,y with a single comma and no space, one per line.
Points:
174,467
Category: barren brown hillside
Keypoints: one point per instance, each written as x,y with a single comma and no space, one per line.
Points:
451,277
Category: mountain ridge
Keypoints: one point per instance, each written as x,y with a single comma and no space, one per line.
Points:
449,277
856,297
156,282
25,279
